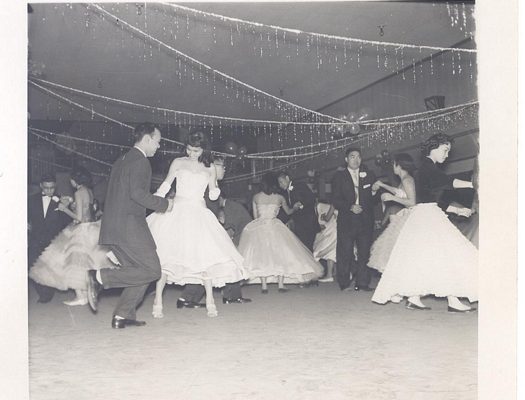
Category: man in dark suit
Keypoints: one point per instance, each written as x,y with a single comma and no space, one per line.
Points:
305,224
44,223
234,217
352,196
125,230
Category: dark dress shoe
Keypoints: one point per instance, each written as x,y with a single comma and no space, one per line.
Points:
239,300
93,289
455,310
412,306
44,300
283,290
189,304
264,291
118,323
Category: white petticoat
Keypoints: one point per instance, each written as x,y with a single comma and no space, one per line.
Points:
383,245
64,263
430,256
270,250
192,245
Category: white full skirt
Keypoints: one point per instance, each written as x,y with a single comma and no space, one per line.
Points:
192,245
429,257
270,250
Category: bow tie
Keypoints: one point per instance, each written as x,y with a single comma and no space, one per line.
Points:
45,195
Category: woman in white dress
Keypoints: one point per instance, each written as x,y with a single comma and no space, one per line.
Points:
64,263
270,250
192,245
421,252
326,240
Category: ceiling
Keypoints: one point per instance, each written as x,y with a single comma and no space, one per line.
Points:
75,46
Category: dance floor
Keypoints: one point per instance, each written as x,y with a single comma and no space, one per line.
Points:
309,343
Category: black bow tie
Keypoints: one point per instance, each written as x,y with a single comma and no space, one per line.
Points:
45,195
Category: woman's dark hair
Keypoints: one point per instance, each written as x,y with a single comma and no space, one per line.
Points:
406,162
269,183
146,128
434,141
198,139
82,176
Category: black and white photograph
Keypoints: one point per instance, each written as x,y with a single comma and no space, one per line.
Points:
262,200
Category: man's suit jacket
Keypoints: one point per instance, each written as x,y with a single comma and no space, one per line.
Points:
305,218
236,217
127,198
43,229
343,194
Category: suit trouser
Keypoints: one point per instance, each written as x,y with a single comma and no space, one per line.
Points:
354,230
194,293
139,267
306,235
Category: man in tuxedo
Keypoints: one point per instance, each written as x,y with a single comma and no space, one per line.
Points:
125,230
234,217
305,224
352,196
44,223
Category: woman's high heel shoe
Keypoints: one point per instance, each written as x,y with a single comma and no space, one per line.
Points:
412,306
157,311
76,302
212,310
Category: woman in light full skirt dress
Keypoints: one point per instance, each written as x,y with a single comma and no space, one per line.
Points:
192,245
271,251
65,262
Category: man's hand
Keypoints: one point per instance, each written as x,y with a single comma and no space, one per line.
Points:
170,205
464,212
356,209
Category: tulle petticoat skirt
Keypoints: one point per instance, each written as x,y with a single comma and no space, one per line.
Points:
430,256
383,245
192,245
270,250
64,263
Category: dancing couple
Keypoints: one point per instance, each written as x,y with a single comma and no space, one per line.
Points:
181,243
421,252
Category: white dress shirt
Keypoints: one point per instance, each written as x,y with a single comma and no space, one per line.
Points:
45,203
354,173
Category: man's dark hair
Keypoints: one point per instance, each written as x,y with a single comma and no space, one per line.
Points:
48,177
284,173
146,128
351,149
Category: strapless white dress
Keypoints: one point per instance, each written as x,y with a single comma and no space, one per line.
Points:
270,250
191,243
